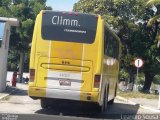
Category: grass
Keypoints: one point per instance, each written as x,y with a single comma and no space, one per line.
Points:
130,94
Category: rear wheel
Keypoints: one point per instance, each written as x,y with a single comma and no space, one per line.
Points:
105,100
112,101
45,103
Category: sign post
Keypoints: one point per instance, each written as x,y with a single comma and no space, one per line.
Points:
159,99
138,63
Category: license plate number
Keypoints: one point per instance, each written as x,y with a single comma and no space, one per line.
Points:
64,82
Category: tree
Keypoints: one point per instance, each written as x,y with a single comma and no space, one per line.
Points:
128,18
156,19
154,3
26,12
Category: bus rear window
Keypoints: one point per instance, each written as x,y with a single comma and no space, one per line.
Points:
69,27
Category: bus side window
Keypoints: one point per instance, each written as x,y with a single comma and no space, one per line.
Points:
116,49
108,44
111,45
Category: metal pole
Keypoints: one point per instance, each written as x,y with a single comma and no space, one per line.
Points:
159,99
137,72
136,78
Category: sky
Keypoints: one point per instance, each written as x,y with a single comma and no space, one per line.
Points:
2,25
61,5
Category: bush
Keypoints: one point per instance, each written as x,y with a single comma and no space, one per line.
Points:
156,79
141,79
123,75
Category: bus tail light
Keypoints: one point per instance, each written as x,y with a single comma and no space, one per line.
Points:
76,14
97,79
32,74
70,13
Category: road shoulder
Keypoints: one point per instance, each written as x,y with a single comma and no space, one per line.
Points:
134,102
9,90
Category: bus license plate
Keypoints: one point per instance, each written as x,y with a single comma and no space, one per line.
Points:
64,82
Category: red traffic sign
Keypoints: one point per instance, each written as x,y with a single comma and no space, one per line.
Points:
138,63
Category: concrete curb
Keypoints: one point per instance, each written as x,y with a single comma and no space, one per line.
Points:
7,94
133,103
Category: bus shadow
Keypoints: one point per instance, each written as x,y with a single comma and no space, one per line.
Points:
20,92
114,111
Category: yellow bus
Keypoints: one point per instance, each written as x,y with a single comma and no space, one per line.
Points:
74,56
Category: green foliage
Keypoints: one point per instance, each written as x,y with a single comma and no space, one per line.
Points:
131,94
26,12
13,60
156,79
26,26
5,3
123,75
4,12
141,78
153,2
155,19
38,7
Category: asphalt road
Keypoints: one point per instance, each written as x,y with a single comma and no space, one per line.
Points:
19,106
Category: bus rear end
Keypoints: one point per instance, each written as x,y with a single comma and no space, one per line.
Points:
66,56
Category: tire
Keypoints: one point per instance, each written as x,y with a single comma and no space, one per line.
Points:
44,103
105,100
112,101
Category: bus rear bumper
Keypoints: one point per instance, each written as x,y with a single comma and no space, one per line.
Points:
36,92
